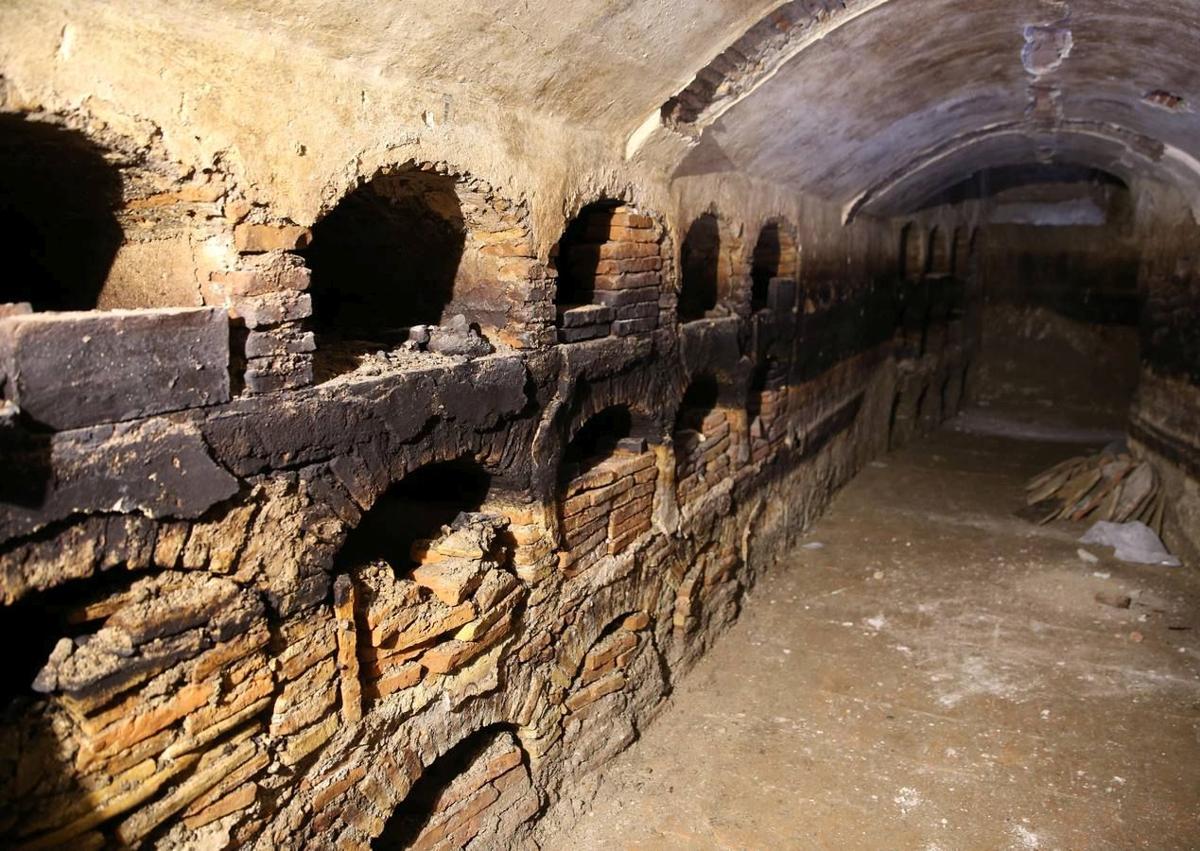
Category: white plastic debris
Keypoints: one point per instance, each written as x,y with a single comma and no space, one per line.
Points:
1086,556
1133,542
813,545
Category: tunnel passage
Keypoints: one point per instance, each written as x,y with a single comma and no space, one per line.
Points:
59,232
1059,272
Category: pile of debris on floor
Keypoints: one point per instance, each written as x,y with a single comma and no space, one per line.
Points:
1111,485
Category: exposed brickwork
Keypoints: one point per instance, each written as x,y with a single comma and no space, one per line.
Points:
212,661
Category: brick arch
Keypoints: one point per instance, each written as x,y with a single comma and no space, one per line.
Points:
418,244
609,264
708,280
776,255
485,772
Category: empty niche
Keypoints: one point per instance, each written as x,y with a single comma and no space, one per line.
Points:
414,509
959,252
703,276
702,439
474,795
912,253
938,256
407,250
429,583
606,488
609,273
58,227
774,256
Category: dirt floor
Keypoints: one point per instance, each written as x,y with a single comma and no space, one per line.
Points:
932,672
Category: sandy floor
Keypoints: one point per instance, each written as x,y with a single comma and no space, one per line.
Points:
934,673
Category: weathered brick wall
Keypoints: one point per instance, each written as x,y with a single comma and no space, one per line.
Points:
203,653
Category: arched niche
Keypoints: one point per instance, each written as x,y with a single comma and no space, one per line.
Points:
960,250
476,794
766,403
59,232
912,253
702,437
775,257
704,268
414,509
410,248
424,583
609,266
938,255
606,484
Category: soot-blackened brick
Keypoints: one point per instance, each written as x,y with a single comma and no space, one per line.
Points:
71,370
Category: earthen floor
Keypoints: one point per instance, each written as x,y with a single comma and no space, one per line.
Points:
937,674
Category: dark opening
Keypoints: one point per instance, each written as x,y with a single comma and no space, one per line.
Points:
958,252
910,253
700,263
768,252
415,507
58,230
386,258
577,254
699,401
410,818
596,440
936,260
892,417
31,627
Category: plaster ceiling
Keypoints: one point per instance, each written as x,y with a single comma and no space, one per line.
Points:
882,103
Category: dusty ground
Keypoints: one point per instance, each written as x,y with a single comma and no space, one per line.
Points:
936,675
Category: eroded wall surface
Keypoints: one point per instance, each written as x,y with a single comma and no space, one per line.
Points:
273,584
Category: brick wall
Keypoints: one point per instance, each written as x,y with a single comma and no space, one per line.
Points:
201,659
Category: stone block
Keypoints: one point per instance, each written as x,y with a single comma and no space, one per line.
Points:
625,327
638,310
271,308
250,238
628,281
269,375
619,298
223,286
71,370
781,295
283,340
584,315
578,335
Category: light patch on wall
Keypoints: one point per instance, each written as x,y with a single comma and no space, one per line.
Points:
1046,48
1081,212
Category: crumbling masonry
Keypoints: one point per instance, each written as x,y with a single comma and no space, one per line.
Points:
379,452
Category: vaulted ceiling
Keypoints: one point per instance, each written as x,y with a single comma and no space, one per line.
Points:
877,104
874,105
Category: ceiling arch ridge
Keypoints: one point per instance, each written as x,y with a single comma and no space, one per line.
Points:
752,60
1164,160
